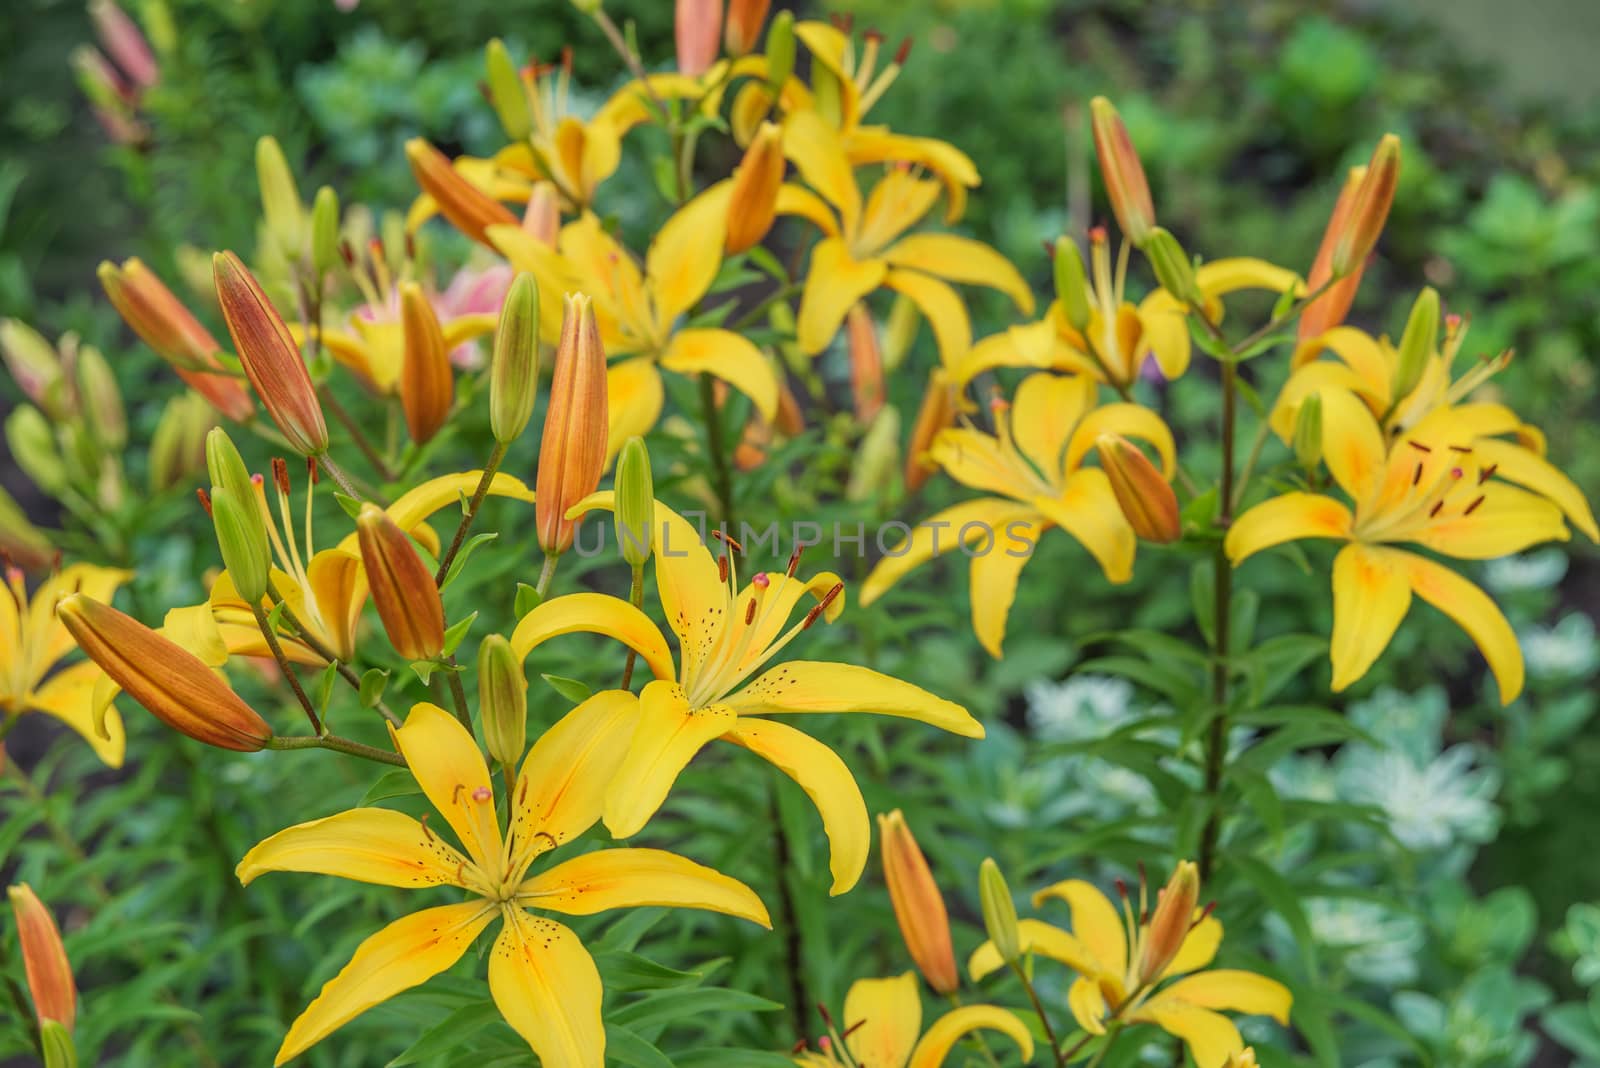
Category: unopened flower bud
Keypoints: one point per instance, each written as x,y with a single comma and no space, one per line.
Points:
1172,267
753,203
1370,208
33,447
224,464
999,912
572,451
542,217
242,537
1308,432
178,446
176,686
427,386
1144,495
156,16
866,362
1416,344
269,356
918,906
780,50
402,586
122,39
514,367
697,29
506,92
635,503
101,400
937,412
466,207
877,458
281,207
1169,927
44,959
34,365
900,332
743,30
1072,284
1328,310
1122,172
21,540
325,230
502,700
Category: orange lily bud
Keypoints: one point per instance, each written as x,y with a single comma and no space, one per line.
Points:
162,322
938,411
1122,172
269,355
790,419
918,905
572,452
1328,310
44,958
866,362
402,586
698,29
1370,208
427,388
745,18
754,202
468,208
542,219
1145,496
172,683
1170,925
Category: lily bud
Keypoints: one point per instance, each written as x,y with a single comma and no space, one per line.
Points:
514,367
101,400
270,358
1173,268
1416,344
242,537
1143,494
1072,284
745,17
172,683
999,912
697,29
120,36
325,230
34,365
866,362
877,458
466,207
754,201
502,700
402,586
918,906
1308,432
178,446
780,50
506,92
24,542
427,387
33,447
44,958
224,464
281,207
572,451
937,412
162,322
1328,310
542,218
1370,208
900,332
636,503
1170,925
1122,172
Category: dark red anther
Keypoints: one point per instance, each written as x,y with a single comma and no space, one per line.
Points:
205,499
1487,473
280,474
411,247
750,612
347,253
1435,509
794,560
313,472
1205,913
1473,506
1419,446
827,1017
1461,448
822,605
722,567
800,1046
852,1029
566,59
1122,888
1416,476
425,832
483,91
723,536
902,52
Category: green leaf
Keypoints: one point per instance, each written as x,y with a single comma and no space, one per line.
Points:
1283,900
625,1047
527,599
1203,599
457,631
440,1043
351,506
396,782
325,681
275,617
571,689
424,669
763,258
1276,662
629,971
744,1058
678,1006
373,682
1259,794
462,554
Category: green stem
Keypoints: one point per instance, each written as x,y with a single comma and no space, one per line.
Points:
546,573
458,695
315,645
722,475
340,479
782,859
1038,1007
760,308
338,745
495,456
348,421
1256,445
635,598
1217,736
1116,1033
267,632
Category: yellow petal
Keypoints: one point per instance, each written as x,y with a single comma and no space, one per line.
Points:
409,951
1503,520
1236,991
1475,613
1088,1005
634,397
886,1015
1224,276
814,149
69,695
668,736
1308,381
1037,345
950,1028
798,200
1041,939
594,613
1163,333
834,283
1088,510
368,845
961,259
1527,468
444,757
338,585
1287,518
1044,412
561,789
1130,421
1095,922
1199,947
1370,598
730,357
686,253
1357,350
982,462
897,202
939,534
994,575
777,605
941,306
638,878
953,167
416,505
546,986
827,781
1210,1036
816,686
1352,444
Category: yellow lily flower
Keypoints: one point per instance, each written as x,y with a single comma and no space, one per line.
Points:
725,635
1107,948
1034,462
1436,486
540,975
1119,336
863,248
33,640
883,1028
640,313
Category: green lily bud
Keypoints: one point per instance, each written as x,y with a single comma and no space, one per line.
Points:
502,700
33,445
780,51
877,457
224,463
34,365
25,542
156,18
325,230
178,446
101,400
280,198
243,540
1308,432
59,1051
1416,344
1072,286
999,912
514,369
1173,268
635,503
506,93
